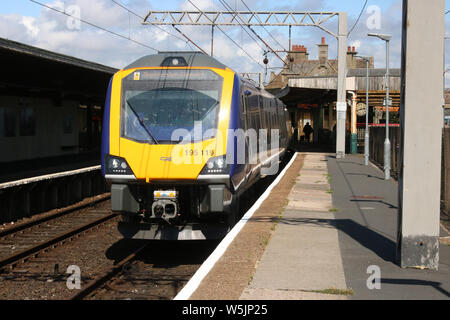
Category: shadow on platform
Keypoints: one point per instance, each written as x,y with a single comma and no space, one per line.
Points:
302,146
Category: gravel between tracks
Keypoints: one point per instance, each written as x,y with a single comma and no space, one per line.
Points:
159,272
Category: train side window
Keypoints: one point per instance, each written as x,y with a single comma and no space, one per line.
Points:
243,112
7,122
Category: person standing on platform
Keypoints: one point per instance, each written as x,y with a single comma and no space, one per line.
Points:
307,130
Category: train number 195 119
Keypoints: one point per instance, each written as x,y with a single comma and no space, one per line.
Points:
197,152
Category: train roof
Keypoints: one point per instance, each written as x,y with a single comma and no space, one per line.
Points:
188,58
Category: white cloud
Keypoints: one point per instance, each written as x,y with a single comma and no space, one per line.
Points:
356,44
200,4
29,23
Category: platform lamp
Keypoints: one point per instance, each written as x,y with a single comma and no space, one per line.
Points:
387,143
366,134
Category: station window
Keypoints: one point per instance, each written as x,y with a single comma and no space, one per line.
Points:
27,122
7,122
67,124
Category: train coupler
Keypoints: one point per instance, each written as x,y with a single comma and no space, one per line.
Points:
165,205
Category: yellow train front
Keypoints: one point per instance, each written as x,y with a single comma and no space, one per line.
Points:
165,141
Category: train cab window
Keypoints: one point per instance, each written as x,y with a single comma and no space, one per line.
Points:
158,102
7,122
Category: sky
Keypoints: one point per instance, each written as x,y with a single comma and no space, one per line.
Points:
30,23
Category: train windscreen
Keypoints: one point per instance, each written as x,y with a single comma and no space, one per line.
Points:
157,102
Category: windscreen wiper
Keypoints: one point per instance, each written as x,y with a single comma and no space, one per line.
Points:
142,123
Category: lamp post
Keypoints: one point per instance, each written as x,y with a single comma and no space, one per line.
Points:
387,143
366,134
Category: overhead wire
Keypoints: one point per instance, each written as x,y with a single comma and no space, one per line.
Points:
94,25
179,31
227,35
141,17
359,17
228,7
270,34
254,32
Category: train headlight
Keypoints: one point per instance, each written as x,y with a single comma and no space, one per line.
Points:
216,165
116,165
220,163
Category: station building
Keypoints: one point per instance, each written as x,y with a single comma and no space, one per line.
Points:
51,106
309,89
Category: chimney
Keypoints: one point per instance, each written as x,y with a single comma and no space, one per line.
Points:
299,54
351,57
323,52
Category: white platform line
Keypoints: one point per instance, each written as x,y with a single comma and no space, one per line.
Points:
209,263
47,177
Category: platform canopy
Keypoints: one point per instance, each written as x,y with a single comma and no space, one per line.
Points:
31,71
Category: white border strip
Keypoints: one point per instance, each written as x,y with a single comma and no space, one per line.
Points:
47,177
204,269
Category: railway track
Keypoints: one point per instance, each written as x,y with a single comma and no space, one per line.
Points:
154,271
29,239
92,286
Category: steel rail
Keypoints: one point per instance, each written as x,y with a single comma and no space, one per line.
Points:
31,252
112,272
62,212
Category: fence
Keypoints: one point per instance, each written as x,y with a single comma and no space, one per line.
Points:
376,146
26,197
376,149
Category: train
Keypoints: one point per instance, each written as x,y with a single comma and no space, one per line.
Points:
183,138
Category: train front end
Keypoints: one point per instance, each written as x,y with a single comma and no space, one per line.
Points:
164,147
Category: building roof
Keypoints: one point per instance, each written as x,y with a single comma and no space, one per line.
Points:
311,68
13,46
381,72
34,72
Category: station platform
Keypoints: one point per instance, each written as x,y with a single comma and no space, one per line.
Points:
336,231
24,169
